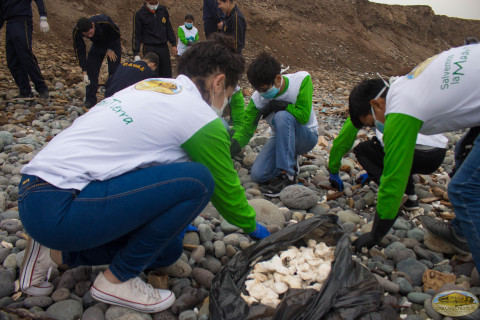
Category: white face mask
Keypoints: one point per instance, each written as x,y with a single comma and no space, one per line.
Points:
152,7
219,111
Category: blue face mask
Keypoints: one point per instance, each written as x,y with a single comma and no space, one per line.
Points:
188,25
272,92
380,126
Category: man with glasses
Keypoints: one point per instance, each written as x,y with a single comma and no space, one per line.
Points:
439,95
285,102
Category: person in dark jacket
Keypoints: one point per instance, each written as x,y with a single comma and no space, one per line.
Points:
234,24
212,17
21,61
105,37
152,27
131,72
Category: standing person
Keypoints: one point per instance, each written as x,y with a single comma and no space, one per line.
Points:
285,102
122,183
21,61
234,23
131,72
439,95
152,27
105,37
429,154
212,17
187,35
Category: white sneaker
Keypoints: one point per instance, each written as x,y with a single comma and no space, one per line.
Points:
36,268
133,293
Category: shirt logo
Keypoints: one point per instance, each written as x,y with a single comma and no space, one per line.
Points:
455,303
419,69
164,20
159,85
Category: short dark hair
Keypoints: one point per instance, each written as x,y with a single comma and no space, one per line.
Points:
151,57
215,55
189,16
84,24
263,70
359,99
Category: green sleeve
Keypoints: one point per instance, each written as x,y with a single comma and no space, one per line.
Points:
211,147
399,137
245,133
181,36
302,108
342,143
196,37
237,109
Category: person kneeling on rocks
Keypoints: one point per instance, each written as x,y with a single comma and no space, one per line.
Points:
285,102
123,182
428,156
429,101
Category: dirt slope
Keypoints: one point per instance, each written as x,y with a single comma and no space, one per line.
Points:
338,36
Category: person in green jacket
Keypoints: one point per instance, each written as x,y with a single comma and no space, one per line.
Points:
285,102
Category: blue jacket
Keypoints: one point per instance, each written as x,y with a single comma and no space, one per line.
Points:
106,33
211,12
13,10
128,73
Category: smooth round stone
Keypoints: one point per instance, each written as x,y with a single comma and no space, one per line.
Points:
10,261
219,248
191,238
39,301
65,310
4,253
213,265
232,239
218,236
444,268
369,198
205,232
387,285
402,255
60,294
6,288
416,234
404,285
430,311
227,227
418,297
393,249
198,253
187,315
414,269
429,264
21,244
93,313
230,251
117,312
402,224
410,243
203,277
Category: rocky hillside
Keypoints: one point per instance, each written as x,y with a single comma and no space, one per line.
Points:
329,35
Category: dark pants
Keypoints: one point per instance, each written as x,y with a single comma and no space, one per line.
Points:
209,27
94,63
370,155
21,61
164,69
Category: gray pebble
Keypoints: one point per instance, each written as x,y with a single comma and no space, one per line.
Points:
415,233
40,301
404,285
65,310
205,232
187,315
418,297
60,294
198,253
414,269
393,249
117,312
219,249
430,311
93,313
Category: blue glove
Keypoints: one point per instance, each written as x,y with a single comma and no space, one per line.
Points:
335,181
260,232
189,228
364,178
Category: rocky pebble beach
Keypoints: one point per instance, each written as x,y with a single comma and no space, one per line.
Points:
399,262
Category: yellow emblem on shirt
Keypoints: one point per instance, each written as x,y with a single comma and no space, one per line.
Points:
164,20
419,69
159,85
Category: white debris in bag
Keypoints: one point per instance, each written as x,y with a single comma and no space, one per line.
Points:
294,268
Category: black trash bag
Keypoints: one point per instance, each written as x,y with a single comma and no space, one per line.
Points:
350,291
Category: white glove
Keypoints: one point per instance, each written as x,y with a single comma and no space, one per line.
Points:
137,58
44,24
86,81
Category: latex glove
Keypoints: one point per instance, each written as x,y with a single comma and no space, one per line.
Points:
364,178
260,232
189,228
272,106
335,181
44,24
86,80
379,229
137,58
235,147
111,55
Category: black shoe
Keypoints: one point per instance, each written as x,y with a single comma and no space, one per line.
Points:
45,95
276,186
410,205
21,96
445,231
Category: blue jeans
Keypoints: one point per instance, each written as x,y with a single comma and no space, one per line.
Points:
132,222
279,153
464,194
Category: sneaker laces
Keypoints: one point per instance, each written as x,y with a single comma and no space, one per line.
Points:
140,286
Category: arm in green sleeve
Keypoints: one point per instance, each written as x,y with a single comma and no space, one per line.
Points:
245,133
211,147
181,36
196,37
399,138
302,108
237,109
342,143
